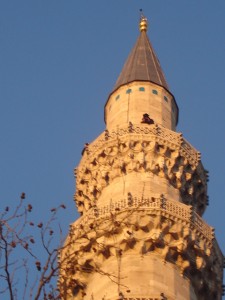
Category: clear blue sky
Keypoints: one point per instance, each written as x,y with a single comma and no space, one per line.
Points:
59,61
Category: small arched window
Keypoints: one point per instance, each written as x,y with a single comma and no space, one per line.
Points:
128,91
141,89
154,92
165,98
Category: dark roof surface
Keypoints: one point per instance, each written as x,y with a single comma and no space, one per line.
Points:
142,65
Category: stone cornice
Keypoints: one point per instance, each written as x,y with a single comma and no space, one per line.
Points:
158,133
161,227
151,149
173,210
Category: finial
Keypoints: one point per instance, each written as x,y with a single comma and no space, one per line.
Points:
143,25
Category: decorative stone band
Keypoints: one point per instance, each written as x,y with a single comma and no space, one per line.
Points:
152,297
151,150
158,133
147,298
169,208
158,297
155,226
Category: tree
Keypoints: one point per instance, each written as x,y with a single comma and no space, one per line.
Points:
28,253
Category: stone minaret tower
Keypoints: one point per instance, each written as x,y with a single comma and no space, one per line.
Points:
141,191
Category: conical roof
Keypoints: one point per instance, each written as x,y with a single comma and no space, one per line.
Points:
142,63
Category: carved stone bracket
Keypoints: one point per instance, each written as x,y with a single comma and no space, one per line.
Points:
166,136
166,207
141,232
153,150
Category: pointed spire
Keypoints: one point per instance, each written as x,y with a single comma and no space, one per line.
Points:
142,63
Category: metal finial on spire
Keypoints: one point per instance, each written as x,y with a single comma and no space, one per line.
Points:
143,25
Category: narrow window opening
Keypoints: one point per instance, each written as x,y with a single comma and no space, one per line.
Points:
117,97
141,89
128,91
154,92
165,98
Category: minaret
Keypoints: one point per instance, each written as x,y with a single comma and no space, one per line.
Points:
141,191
